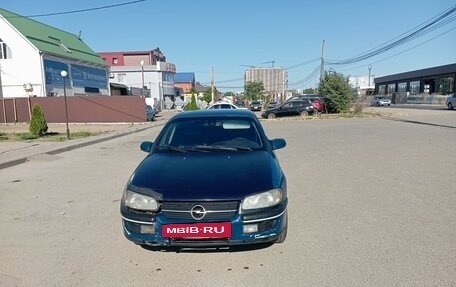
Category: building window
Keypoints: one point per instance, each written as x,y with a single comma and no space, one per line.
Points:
121,78
381,89
115,60
402,87
5,51
445,86
391,89
414,88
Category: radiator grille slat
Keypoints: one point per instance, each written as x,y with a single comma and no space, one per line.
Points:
219,210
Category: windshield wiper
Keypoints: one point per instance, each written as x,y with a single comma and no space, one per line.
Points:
221,148
173,148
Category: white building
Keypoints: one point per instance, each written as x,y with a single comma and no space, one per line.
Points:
157,80
33,55
143,72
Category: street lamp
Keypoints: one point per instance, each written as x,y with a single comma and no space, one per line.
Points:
142,75
64,74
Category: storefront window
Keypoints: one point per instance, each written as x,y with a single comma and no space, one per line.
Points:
391,89
402,87
445,85
414,88
381,89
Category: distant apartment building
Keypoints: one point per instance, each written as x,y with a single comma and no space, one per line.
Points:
144,73
274,80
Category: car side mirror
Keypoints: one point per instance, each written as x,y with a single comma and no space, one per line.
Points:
278,143
146,146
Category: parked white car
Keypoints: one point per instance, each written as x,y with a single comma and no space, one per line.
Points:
223,105
381,101
450,101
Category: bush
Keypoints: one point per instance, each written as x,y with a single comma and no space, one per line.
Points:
191,106
38,124
338,93
338,103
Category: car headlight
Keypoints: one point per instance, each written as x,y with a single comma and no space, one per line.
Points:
262,200
140,202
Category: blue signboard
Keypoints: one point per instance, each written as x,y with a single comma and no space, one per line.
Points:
89,77
52,71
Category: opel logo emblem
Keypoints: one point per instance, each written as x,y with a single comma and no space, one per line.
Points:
198,212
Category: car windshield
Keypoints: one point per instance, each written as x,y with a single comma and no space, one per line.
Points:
209,135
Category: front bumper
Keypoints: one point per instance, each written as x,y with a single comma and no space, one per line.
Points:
147,230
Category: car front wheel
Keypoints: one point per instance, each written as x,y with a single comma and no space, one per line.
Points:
271,116
304,113
450,106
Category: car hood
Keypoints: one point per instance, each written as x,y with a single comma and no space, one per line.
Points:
206,176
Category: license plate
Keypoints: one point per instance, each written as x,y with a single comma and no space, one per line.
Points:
197,230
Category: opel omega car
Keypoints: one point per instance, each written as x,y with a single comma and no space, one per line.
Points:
211,178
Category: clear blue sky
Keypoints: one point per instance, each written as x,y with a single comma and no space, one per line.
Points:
197,35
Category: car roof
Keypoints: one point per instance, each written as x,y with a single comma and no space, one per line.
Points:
215,113
222,103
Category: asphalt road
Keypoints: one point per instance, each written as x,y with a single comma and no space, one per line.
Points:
372,203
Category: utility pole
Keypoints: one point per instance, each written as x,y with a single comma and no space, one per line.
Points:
212,84
369,80
322,65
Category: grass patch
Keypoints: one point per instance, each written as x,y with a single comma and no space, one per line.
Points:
51,136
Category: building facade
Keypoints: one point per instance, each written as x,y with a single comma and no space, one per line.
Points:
274,80
144,73
430,85
33,55
185,81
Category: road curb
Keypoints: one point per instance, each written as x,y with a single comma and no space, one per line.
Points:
75,146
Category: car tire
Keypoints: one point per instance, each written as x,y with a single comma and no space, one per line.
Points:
271,116
450,106
304,113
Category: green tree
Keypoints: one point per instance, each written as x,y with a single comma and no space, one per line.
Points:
336,91
38,125
254,90
192,105
207,96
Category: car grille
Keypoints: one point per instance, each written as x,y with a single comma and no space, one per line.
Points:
220,210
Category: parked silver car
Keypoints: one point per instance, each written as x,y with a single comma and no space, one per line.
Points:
450,101
381,101
150,113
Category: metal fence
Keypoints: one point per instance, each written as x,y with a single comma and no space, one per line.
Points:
81,109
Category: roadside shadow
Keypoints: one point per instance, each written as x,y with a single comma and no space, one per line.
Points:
419,123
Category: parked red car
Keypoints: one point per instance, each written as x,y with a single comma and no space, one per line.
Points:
317,103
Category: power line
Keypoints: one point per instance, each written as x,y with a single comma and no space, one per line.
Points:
426,27
78,11
401,52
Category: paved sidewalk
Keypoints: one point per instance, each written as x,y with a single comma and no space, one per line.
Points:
17,152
